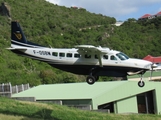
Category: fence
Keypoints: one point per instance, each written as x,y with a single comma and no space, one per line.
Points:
6,89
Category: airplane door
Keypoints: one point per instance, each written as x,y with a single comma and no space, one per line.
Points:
114,60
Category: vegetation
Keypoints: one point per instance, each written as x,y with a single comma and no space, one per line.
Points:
59,26
20,110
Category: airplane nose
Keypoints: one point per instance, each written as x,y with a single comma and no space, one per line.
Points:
150,66
153,65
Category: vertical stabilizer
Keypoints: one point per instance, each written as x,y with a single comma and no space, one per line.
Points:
17,34
18,37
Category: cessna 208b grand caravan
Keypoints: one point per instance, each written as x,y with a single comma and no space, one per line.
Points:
83,59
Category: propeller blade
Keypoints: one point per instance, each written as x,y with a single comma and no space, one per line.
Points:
153,65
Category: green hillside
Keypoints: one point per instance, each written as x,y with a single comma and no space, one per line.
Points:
58,26
20,110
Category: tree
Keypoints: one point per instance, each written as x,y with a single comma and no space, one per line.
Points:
47,76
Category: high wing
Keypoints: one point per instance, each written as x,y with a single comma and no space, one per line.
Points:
90,49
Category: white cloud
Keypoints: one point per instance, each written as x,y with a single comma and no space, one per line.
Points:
113,8
54,1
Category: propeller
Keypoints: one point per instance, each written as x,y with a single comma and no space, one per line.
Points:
153,65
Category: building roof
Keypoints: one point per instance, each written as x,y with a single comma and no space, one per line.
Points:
159,13
145,16
153,59
101,91
68,90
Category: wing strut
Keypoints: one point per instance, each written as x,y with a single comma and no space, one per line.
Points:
100,61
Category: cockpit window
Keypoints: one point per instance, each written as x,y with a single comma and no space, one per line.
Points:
113,57
122,56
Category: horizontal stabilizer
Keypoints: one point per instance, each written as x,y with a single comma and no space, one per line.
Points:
18,48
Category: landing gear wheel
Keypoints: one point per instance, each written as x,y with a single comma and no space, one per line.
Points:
141,83
96,78
90,80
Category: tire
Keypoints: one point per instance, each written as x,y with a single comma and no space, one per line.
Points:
141,83
90,80
96,78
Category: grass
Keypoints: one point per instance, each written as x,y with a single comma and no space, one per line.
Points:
15,117
21,110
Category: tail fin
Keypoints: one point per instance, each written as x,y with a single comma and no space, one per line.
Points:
17,33
18,37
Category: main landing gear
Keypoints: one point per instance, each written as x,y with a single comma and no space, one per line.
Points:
91,79
141,83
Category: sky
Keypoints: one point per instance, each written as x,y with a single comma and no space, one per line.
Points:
122,10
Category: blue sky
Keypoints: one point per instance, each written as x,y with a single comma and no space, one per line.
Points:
119,9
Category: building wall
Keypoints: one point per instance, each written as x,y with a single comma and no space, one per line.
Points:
82,104
128,105
157,101
125,90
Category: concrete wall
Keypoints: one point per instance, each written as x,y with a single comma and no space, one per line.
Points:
32,99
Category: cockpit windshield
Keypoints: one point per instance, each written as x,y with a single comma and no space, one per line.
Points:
122,56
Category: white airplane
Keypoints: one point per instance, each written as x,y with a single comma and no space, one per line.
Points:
83,59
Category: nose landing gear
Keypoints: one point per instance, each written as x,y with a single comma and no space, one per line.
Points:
141,83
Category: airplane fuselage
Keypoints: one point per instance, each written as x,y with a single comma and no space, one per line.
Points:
71,61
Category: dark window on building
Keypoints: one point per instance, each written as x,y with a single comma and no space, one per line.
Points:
146,103
108,107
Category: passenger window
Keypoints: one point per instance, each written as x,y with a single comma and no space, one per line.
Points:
87,56
105,57
77,55
69,54
55,54
113,57
61,54
96,57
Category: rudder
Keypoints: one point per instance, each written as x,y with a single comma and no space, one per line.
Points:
18,37
17,33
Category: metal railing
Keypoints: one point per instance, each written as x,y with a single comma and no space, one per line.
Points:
6,89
